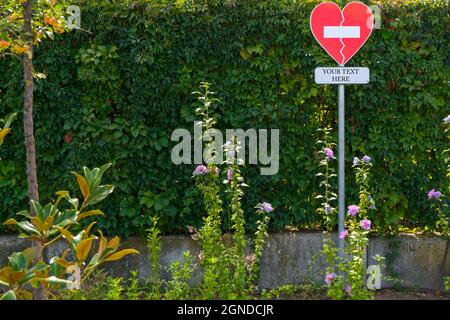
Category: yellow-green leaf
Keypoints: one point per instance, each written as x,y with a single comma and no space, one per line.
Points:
4,275
66,234
10,222
24,294
114,242
16,276
3,133
88,229
49,222
119,255
61,194
8,296
90,213
31,253
102,244
83,248
84,187
415,44
62,261
245,54
39,75
38,224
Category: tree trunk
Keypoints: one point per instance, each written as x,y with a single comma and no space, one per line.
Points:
33,192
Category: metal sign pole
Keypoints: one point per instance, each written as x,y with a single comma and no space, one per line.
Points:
341,163
330,36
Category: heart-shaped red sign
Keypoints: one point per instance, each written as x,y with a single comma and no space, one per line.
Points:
341,33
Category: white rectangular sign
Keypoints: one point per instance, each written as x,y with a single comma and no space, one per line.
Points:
342,75
341,32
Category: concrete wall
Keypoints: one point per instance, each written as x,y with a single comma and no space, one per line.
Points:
288,258
417,263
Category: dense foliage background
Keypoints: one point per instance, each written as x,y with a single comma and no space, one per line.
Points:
115,94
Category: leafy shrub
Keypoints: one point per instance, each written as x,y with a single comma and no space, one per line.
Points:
178,287
134,289
115,289
60,219
228,261
154,284
441,205
261,56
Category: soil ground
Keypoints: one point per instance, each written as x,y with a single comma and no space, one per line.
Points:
384,294
389,294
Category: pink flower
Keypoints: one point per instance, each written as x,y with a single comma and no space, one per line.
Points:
267,207
348,289
200,170
343,234
328,153
353,210
434,194
329,278
367,159
230,174
365,224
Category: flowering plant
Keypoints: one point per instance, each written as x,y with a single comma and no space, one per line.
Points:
441,206
327,209
345,275
229,270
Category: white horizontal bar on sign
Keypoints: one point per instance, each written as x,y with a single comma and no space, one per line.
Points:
341,32
342,75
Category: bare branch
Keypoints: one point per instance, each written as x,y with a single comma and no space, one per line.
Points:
4,55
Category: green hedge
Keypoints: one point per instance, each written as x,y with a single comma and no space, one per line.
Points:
122,105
